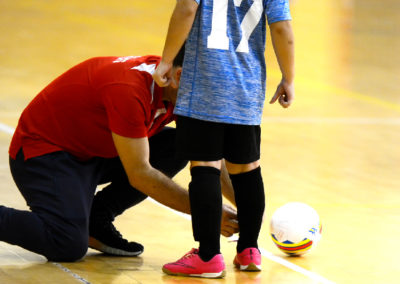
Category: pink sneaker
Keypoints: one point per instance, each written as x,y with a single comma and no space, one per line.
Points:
192,265
248,260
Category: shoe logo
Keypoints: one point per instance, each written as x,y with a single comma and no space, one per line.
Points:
183,265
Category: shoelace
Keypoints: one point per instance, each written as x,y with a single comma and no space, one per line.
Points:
190,254
117,233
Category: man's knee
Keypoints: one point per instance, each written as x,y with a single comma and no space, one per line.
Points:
68,248
163,153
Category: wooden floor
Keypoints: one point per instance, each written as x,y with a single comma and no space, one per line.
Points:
337,148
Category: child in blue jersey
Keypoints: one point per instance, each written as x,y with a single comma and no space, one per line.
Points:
219,108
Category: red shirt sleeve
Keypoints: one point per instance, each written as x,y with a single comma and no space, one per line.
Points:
127,110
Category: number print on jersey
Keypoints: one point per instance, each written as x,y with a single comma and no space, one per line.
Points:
218,38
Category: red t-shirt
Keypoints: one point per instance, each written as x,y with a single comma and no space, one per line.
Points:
78,111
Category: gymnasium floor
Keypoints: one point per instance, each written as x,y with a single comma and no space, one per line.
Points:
336,148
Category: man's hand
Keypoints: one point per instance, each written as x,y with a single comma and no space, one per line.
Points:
229,222
285,94
162,75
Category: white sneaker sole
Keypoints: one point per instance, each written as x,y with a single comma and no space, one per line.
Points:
250,267
203,275
97,245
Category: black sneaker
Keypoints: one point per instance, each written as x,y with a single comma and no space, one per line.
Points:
107,239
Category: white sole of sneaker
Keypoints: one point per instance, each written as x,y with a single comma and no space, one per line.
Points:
203,275
250,267
97,245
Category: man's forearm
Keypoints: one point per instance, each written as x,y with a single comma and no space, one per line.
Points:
161,188
226,185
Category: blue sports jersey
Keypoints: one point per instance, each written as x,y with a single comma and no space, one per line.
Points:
223,78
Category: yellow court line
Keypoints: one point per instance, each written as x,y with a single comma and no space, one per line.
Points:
324,87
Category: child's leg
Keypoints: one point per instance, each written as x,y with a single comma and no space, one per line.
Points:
202,143
250,202
206,209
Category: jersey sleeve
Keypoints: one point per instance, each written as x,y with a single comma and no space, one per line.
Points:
126,110
277,10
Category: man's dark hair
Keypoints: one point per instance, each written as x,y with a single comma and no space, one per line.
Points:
178,60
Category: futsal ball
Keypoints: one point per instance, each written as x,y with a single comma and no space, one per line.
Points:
295,228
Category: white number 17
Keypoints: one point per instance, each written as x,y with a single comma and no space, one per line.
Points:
218,38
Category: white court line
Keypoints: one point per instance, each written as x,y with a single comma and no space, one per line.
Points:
311,120
288,264
264,252
7,129
335,120
74,275
186,216
7,247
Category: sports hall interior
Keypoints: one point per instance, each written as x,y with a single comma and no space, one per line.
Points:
337,148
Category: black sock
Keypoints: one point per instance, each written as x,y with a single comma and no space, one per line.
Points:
206,209
250,204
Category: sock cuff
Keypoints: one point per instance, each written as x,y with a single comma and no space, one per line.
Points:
201,170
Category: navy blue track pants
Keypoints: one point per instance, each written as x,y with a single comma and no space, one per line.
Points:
59,190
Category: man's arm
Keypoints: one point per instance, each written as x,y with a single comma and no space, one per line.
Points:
134,154
283,43
179,27
226,184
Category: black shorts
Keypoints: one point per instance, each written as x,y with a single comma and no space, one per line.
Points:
199,140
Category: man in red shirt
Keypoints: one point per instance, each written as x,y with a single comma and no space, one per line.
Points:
102,121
